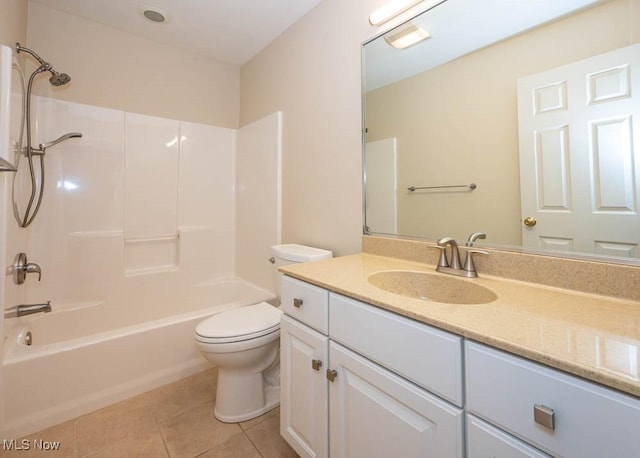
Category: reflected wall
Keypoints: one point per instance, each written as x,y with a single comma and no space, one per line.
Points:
458,124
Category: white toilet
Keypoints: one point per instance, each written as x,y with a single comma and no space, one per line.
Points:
244,343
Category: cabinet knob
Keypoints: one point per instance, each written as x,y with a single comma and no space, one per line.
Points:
544,416
331,374
316,364
297,302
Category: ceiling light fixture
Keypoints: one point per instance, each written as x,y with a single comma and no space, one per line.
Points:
390,10
393,8
405,36
153,14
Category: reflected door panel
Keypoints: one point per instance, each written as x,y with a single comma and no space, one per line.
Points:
382,182
580,178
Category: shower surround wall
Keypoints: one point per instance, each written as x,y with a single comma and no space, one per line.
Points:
140,212
137,194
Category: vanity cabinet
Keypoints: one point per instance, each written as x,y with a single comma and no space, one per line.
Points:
358,380
362,393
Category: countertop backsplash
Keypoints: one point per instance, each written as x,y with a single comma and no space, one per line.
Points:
594,277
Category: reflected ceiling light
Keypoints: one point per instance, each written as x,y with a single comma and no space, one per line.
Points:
405,36
390,10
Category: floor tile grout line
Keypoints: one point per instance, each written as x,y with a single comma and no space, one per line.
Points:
155,418
253,443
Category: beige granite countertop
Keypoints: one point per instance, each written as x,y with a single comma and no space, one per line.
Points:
591,336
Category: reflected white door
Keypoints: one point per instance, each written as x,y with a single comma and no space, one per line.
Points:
382,177
579,170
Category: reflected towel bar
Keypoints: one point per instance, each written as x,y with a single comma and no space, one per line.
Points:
471,186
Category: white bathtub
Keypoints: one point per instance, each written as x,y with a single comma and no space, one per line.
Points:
86,356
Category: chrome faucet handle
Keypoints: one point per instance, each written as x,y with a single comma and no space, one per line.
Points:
33,268
469,266
21,267
442,261
475,236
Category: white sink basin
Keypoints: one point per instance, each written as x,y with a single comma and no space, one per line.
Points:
432,287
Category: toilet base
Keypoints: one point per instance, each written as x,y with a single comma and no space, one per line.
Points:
271,401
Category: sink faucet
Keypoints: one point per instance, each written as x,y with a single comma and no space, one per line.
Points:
27,309
455,254
454,267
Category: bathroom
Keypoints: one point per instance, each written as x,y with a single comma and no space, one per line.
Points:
292,85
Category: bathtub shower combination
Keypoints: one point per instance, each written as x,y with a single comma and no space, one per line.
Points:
146,227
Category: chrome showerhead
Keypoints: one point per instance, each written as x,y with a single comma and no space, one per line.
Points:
58,79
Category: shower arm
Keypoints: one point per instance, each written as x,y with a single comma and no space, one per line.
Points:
43,146
43,63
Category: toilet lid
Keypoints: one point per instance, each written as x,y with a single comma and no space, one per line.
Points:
240,324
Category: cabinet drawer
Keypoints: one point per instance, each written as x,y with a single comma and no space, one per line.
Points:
589,420
485,441
306,303
424,355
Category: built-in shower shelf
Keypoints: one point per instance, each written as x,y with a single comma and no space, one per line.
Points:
148,255
6,166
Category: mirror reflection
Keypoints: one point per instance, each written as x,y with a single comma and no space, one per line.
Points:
516,119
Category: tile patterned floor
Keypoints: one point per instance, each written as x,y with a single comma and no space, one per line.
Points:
173,421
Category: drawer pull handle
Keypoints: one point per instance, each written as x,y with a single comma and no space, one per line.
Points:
331,374
297,302
544,416
316,364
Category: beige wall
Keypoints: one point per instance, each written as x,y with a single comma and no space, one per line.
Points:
458,124
114,69
13,22
312,73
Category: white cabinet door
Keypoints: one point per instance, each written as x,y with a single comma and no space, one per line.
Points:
381,197
375,413
303,388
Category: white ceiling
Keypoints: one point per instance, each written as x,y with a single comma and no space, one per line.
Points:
230,31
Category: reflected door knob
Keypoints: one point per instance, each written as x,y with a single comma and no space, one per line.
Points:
529,221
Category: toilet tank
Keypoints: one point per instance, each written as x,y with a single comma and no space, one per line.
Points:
292,254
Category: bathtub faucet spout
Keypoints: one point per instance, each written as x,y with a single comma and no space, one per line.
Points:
27,309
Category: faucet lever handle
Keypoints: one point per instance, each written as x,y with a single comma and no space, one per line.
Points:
468,262
442,261
33,268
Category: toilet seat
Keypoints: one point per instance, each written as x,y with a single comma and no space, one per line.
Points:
241,324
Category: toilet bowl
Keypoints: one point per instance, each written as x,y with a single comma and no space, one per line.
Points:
244,343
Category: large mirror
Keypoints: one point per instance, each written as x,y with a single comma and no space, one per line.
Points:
519,119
